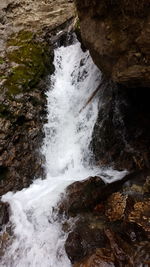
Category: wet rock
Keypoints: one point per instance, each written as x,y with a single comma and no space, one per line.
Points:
121,133
116,205
116,247
83,240
131,205
4,242
102,257
141,214
118,224
132,233
82,195
26,58
73,247
146,186
105,257
86,194
4,214
121,51
118,250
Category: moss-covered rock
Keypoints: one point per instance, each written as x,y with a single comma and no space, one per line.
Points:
1,60
31,60
27,60
26,57
77,26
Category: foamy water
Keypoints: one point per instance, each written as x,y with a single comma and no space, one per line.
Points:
38,237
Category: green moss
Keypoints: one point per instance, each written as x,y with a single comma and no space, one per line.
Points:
33,62
77,27
1,60
2,77
23,78
20,38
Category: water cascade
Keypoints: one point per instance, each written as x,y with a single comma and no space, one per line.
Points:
38,239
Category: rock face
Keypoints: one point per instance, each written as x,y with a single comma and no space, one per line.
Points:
22,109
83,242
117,34
121,135
4,214
115,231
102,257
83,196
26,58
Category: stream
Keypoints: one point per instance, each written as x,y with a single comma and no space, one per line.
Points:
38,239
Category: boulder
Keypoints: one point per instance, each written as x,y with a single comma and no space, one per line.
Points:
118,37
140,215
102,257
111,224
83,240
84,195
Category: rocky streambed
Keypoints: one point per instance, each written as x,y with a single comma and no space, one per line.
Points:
111,221
107,224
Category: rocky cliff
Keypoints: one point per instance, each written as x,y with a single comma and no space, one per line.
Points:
117,34
121,135
109,229
27,29
111,221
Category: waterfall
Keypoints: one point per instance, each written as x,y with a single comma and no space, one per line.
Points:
38,240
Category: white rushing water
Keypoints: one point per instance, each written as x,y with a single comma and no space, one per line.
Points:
38,238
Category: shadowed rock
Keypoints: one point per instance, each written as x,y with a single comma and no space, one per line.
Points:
117,35
110,218
4,214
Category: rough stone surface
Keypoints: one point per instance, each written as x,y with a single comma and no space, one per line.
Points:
5,241
117,34
102,257
82,195
22,109
4,214
114,232
26,55
86,194
121,135
140,215
116,206
83,241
